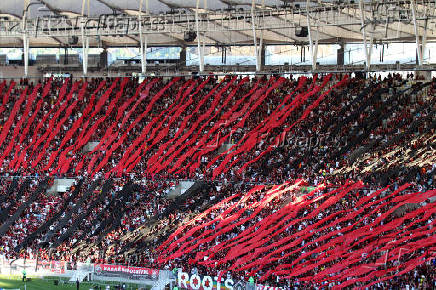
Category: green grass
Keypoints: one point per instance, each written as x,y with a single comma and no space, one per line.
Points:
14,282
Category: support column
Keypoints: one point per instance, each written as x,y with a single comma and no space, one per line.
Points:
424,37
182,57
313,46
315,53
103,58
85,50
416,28
85,43
253,26
142,40
262,56
26,4
367,50
340,57
143,51
424,43
203,49
199,48
83,7
26,54
261,48
260,53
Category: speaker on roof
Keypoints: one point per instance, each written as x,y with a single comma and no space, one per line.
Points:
301,31
190,36
73,40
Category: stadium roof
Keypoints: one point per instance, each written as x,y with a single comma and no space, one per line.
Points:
52,23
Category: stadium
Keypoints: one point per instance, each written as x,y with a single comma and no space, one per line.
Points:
217,144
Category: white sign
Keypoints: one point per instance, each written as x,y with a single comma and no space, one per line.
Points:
196,282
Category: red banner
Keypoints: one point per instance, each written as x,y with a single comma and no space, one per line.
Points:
132,273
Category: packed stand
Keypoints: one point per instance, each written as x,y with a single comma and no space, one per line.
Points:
325,130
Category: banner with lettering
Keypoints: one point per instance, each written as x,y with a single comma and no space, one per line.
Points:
126,272
199,282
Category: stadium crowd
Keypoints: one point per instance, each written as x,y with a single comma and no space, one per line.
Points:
377,131
357,117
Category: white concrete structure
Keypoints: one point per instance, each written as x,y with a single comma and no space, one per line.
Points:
61,185
181,188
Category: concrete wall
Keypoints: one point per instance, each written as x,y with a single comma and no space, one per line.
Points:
17,72
90,146
224,147
181,188
60,185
